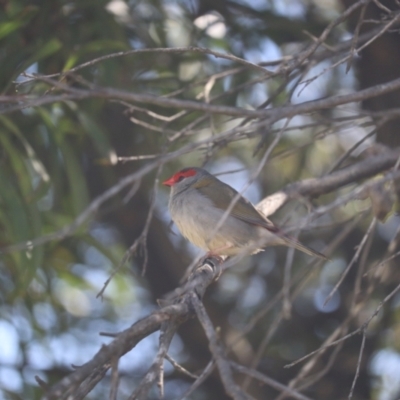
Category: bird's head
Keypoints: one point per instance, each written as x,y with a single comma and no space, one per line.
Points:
185,178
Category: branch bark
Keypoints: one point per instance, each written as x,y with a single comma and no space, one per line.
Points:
314,187
129,338
273,114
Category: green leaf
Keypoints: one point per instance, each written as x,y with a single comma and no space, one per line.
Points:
8,27
71,62
19,17
50,47
76,178
98,136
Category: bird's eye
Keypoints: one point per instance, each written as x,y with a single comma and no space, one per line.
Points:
181,178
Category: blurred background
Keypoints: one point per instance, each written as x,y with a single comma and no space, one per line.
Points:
56,158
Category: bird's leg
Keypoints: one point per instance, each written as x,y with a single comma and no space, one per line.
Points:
214,254
215,260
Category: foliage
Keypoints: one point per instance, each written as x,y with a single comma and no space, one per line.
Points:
82,150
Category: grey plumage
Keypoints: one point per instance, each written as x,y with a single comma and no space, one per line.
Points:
198,201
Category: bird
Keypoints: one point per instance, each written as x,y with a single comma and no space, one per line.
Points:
198,202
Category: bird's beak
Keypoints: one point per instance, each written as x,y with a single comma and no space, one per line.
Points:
169,182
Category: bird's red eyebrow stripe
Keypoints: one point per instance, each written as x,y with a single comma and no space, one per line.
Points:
175,178
186,173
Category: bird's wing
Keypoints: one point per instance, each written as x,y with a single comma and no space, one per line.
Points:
222,196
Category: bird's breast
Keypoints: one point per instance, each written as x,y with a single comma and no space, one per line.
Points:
191,213
197,218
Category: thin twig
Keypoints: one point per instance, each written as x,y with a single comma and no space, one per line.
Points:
270,382
231,388
179,367
358,364
353,260
114,379
202,377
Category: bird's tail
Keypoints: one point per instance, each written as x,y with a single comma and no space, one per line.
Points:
292,242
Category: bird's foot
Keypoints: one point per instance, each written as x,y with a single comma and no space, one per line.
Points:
215,260
213,257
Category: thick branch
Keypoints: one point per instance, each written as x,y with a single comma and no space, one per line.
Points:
314,187
167,332
127,339
274,114
364,169
123,343
224,368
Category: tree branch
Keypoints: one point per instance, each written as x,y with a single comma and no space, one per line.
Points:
314,187
223,365
127,339
273,114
